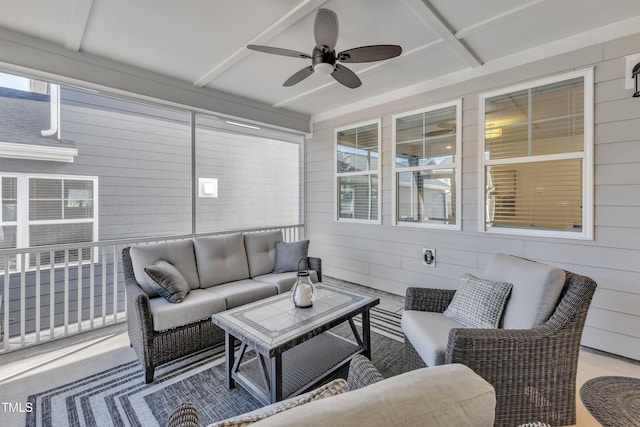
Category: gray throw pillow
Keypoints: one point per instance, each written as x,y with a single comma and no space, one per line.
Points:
478,303
289,254
167,281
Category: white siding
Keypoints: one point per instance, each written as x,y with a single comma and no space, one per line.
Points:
388,257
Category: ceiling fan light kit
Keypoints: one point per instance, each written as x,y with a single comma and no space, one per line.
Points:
324,59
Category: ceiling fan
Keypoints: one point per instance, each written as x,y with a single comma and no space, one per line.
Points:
324,58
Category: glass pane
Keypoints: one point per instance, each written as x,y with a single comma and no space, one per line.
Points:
426,139
78,203
45,199
358,197
553,124
540,195
558,99
426,197
9,192
53,234
357,149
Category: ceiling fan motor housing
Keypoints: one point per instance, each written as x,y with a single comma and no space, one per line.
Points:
323,60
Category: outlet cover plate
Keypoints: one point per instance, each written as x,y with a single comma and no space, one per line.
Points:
429,257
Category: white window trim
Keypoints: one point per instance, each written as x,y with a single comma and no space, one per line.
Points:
22,216
586,155
336,175
457,165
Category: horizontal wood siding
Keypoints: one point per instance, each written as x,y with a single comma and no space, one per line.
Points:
388,257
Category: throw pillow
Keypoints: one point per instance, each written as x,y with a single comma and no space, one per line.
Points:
333,388
167,281
478,303
289,254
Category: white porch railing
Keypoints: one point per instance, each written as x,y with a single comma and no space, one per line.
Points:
82,292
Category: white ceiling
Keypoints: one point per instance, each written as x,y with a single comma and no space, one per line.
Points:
203,42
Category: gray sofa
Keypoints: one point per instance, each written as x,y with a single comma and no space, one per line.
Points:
173,288
444,396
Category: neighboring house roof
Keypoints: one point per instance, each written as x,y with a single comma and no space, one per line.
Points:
23,117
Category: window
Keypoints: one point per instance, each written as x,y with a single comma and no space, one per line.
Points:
427,146
537,157
55,210
357,172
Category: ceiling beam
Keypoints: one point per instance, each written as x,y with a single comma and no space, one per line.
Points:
425,9
508,14
301,10
78,24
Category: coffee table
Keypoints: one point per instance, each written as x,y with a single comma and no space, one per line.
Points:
293,349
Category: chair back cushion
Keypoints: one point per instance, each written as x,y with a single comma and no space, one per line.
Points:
261,251
221,259
535,292
178,253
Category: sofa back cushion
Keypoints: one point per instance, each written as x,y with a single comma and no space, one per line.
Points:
221,259
261,251
535,292
178,253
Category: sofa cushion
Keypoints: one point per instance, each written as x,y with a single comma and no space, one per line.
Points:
198,305
178,253
243,292
289,254
221,259
478,303
284,281
428,333
535,292
167,281
443,396
332,388
261,251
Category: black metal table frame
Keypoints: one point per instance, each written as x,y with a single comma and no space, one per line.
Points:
272,363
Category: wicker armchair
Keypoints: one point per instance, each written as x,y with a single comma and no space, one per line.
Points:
532,370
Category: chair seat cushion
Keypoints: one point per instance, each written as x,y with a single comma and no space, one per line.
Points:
243,292
197,305
428,332
283,281
535,292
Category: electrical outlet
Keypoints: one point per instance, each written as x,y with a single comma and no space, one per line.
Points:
429,257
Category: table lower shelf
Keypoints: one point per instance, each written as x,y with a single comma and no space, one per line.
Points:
303,367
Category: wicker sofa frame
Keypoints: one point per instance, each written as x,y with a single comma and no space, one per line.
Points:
532,370
155,348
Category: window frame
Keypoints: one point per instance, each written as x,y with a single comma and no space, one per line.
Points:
370,172
586,155
23,221
457,166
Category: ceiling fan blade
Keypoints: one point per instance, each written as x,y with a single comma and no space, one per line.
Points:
299,76
345,76
325,29
278,51
370,53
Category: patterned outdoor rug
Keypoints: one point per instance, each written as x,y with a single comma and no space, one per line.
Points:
613,401
119,397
